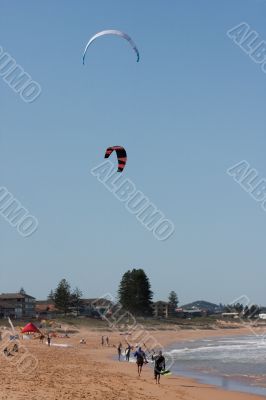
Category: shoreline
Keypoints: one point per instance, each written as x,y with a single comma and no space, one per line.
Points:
218,380
169,338
237,383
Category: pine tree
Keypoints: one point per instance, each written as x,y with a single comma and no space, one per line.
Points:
62,296
135,293
50,296
246,312
125,291
76,299
173,302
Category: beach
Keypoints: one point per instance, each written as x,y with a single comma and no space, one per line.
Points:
90,371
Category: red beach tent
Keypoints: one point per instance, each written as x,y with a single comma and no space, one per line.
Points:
30,328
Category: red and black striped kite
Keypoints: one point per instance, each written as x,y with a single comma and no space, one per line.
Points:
121,156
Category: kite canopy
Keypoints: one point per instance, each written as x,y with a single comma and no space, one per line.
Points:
30,328
111,32
121,156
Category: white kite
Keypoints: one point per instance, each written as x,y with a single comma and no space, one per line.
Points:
111,32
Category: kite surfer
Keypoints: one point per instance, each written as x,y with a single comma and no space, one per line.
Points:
159,366
141,358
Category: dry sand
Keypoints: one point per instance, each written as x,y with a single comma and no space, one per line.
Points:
88,372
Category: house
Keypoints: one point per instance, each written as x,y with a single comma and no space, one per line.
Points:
17,305
160,309
7,310
86,308
206,307
189,312
45,309
179,312
95,307
194,312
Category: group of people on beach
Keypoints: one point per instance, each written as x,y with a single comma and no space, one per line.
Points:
42,337
159,363
127,351
141,359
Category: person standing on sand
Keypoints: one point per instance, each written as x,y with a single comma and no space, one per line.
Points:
49,341
159,365
107,340
127,351
119,350
102,340
141,358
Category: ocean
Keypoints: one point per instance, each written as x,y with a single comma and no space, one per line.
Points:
234,363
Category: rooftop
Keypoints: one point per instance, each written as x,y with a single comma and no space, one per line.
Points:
15,296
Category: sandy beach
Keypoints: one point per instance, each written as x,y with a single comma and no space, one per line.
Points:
89,372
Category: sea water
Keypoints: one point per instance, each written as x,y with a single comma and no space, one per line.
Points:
234,363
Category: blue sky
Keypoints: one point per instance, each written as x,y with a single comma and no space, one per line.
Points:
193,106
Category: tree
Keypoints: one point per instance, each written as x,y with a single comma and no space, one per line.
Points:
62,296
254,311
173,302
246,312
234,308
125,291
135,293
238,307
76,299
50,296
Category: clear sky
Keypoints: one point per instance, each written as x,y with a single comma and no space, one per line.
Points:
193,106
